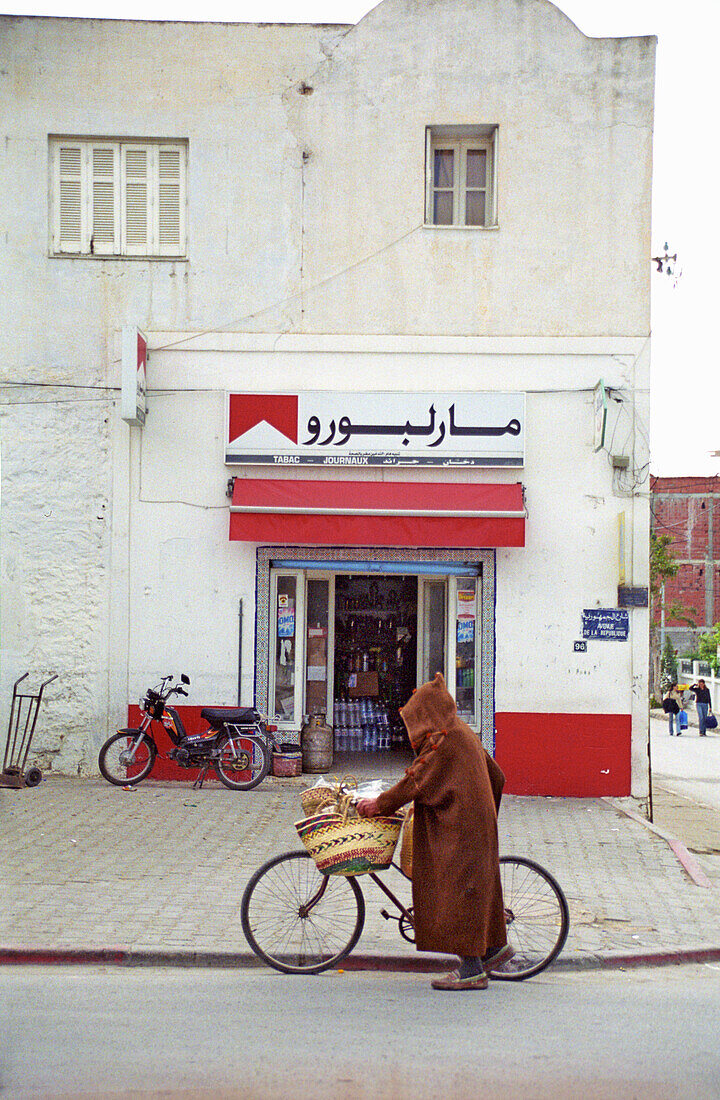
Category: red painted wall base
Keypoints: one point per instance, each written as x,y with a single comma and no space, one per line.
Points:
575,755
168,769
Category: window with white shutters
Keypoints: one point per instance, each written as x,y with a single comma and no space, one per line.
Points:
461,176
118,198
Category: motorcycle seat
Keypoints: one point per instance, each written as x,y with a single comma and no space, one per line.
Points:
241,716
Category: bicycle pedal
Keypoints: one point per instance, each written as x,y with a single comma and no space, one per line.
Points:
384,913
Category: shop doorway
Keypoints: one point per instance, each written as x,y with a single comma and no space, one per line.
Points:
375,661
353,643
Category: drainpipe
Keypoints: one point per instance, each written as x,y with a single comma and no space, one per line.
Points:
240,643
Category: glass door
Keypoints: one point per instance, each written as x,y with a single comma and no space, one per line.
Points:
432,617
287,607
463,633
319,644
448,611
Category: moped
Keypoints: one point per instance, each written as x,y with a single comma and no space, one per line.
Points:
238,743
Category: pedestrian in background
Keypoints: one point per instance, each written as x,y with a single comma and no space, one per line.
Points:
703,704
672,705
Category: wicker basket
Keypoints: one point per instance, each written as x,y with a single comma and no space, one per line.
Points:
350,846
406,844
315,798
338,795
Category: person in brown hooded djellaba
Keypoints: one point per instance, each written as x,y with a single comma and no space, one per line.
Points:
456,787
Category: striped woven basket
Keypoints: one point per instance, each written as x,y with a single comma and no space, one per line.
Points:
353,846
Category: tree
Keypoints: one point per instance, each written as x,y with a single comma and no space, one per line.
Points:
662,563
669,669
707,647
663,566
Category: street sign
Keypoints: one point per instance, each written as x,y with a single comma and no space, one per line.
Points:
606,624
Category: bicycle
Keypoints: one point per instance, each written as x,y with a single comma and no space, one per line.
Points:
301,922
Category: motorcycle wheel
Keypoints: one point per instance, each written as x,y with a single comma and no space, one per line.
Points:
242,761
117,768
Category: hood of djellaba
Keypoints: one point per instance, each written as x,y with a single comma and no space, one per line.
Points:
430,709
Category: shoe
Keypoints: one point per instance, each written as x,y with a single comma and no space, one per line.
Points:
455,982
495,959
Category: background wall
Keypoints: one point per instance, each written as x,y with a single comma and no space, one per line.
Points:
688,510
569,563
99,558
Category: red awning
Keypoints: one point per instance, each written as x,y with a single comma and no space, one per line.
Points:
377,513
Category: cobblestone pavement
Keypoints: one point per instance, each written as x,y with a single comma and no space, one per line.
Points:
162,869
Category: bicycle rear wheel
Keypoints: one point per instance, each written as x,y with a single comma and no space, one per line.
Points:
537,917
294,927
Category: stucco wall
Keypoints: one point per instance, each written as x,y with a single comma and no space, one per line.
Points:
569,562
102,526
574,165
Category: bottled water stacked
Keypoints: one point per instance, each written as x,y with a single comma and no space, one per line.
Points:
361,725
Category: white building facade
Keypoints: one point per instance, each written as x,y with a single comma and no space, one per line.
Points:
393,286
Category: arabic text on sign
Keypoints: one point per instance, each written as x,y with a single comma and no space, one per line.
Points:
610,624
345,429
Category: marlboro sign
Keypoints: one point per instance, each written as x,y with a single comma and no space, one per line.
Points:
329,428
133,375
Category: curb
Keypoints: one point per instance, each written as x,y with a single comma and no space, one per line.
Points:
681,957
108,956
684,857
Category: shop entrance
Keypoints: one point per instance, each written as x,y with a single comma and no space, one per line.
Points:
352,645
376,660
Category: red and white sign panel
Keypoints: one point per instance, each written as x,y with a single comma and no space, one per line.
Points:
133,375
328,428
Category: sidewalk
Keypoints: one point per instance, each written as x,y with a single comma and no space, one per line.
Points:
156,875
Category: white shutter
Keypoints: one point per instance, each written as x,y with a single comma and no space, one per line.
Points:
105,220
494,196
428,176
170,200
70,215
136,199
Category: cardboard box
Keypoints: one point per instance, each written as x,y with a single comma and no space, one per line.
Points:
316,697
361,684
317,647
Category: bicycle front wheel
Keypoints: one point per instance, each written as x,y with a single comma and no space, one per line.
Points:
242,762
295,925
537,917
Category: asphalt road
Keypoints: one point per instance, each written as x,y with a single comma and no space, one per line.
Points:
181,1034
690,763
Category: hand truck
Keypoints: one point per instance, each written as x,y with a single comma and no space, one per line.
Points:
21,727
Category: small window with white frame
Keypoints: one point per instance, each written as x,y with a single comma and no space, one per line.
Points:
461,176
117,198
